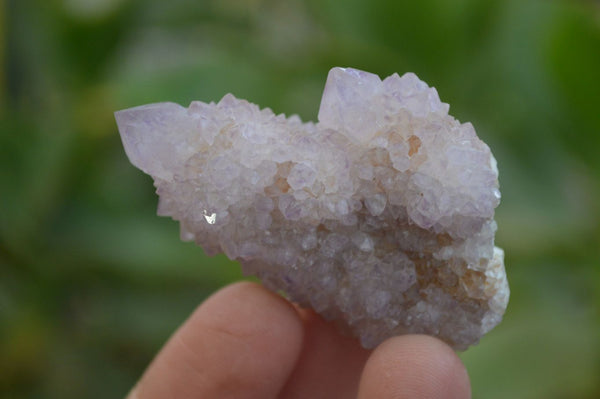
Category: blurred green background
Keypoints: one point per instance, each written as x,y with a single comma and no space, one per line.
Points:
92,282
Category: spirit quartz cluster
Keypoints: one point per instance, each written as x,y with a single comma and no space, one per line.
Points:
380,216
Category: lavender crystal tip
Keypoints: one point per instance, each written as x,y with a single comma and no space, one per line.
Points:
381,215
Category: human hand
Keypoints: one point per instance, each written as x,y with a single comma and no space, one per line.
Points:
245,342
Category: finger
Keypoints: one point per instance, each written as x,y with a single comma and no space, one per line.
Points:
414,366
330,365
243,342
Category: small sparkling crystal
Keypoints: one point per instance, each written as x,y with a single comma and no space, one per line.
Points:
381,215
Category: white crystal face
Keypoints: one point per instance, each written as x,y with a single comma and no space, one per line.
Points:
380,215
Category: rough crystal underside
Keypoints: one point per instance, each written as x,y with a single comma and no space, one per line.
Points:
380,215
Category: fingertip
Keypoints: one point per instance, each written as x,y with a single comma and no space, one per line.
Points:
414,366
242,342
247,308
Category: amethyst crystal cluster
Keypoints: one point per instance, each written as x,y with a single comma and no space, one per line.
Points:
380,216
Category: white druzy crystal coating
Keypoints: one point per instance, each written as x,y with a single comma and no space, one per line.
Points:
379,216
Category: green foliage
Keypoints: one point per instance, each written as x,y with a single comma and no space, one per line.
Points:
92,282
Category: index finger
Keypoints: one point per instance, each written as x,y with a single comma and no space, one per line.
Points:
243,342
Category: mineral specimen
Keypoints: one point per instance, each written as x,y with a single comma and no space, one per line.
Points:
379,216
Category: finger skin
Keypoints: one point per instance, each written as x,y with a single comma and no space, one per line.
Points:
414,366
242,342
330,365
